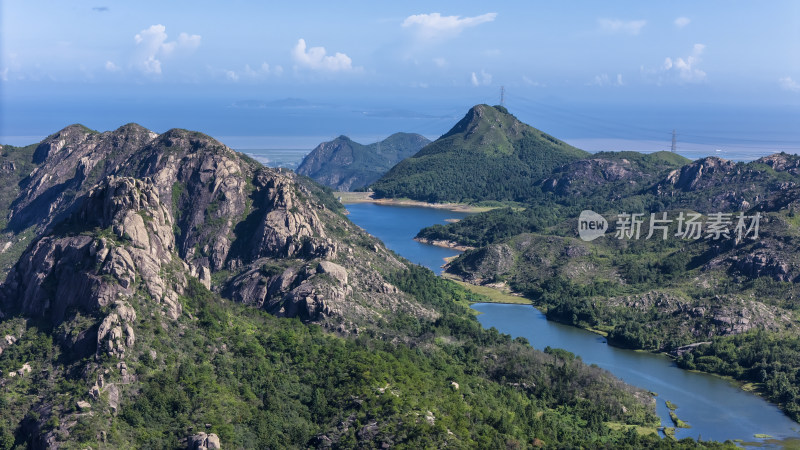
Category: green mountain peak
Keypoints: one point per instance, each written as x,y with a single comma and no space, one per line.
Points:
488,155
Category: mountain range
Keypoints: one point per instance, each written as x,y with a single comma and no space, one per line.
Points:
691,294
162,290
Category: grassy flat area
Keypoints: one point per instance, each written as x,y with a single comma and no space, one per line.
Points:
366,197
642,430
493,295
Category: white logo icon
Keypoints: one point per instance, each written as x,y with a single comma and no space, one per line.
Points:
591,225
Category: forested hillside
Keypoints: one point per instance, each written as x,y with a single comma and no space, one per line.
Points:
488,155
178,294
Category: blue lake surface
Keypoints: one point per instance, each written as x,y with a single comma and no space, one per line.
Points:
716,409
396,226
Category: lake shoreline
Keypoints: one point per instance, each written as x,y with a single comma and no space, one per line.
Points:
367,197
444,244
745,386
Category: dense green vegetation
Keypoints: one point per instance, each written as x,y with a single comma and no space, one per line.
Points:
655,294
258,381
15,165
770,361
488,155
494,226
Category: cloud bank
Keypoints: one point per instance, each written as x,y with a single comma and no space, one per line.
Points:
788,84
317,58
152,47
435,25
614,26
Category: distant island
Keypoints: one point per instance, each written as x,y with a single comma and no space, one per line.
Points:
345,165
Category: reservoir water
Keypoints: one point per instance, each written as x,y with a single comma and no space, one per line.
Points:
716,409
396,226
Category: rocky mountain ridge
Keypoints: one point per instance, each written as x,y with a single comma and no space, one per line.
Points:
183,204
165,210
137,315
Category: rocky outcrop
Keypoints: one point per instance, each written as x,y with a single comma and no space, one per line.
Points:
485,264
761,264
716,316
8,168
716,185
782,162
203,441
182,204
116,247
69,163
697,174
116,334
286,226
591,174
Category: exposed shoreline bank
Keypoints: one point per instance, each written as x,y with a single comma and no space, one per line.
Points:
366,197
444,244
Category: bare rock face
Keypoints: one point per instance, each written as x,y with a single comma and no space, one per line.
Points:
484,264
287,227
166,207
203,441
7,168
587,174
70,163
692,176
717,316
126,260
116,334
335,270
782,162
712,184
762,264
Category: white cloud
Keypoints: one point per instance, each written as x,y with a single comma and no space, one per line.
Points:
681,69
111,67
152,46
440,62
189,41
620,26
436,25
604,80
531,82
787,83
485,79
681,22
250,73
4,74
316,58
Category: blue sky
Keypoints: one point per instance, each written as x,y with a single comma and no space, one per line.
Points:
580,69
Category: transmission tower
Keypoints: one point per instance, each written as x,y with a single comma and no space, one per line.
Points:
502,96
674,140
